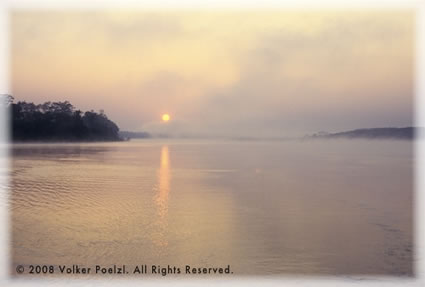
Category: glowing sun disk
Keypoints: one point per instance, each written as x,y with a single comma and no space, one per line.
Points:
165,117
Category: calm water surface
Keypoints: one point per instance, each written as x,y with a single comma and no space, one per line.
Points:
298,207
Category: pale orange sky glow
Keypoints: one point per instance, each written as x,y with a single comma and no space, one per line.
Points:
221,73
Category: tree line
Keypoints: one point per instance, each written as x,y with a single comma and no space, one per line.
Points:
58,121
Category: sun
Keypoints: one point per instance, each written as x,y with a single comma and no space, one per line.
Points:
165,117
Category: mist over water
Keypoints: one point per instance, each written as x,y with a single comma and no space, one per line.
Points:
332,207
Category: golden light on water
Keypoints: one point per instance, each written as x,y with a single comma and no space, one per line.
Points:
164,178
165,117
162,198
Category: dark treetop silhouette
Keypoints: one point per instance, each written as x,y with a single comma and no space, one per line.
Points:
58,121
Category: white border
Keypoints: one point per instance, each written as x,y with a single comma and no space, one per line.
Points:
418,5
4,139
420,145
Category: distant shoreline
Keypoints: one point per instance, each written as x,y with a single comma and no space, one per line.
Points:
405,133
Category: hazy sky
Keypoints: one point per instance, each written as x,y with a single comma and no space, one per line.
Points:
221,73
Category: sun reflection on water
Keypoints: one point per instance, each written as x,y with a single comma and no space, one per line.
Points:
161,197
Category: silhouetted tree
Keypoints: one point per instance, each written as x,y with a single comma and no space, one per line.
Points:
57,121
5,100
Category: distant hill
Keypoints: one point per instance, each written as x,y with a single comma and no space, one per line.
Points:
134,135
407,133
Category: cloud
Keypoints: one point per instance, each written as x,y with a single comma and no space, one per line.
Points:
347,74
